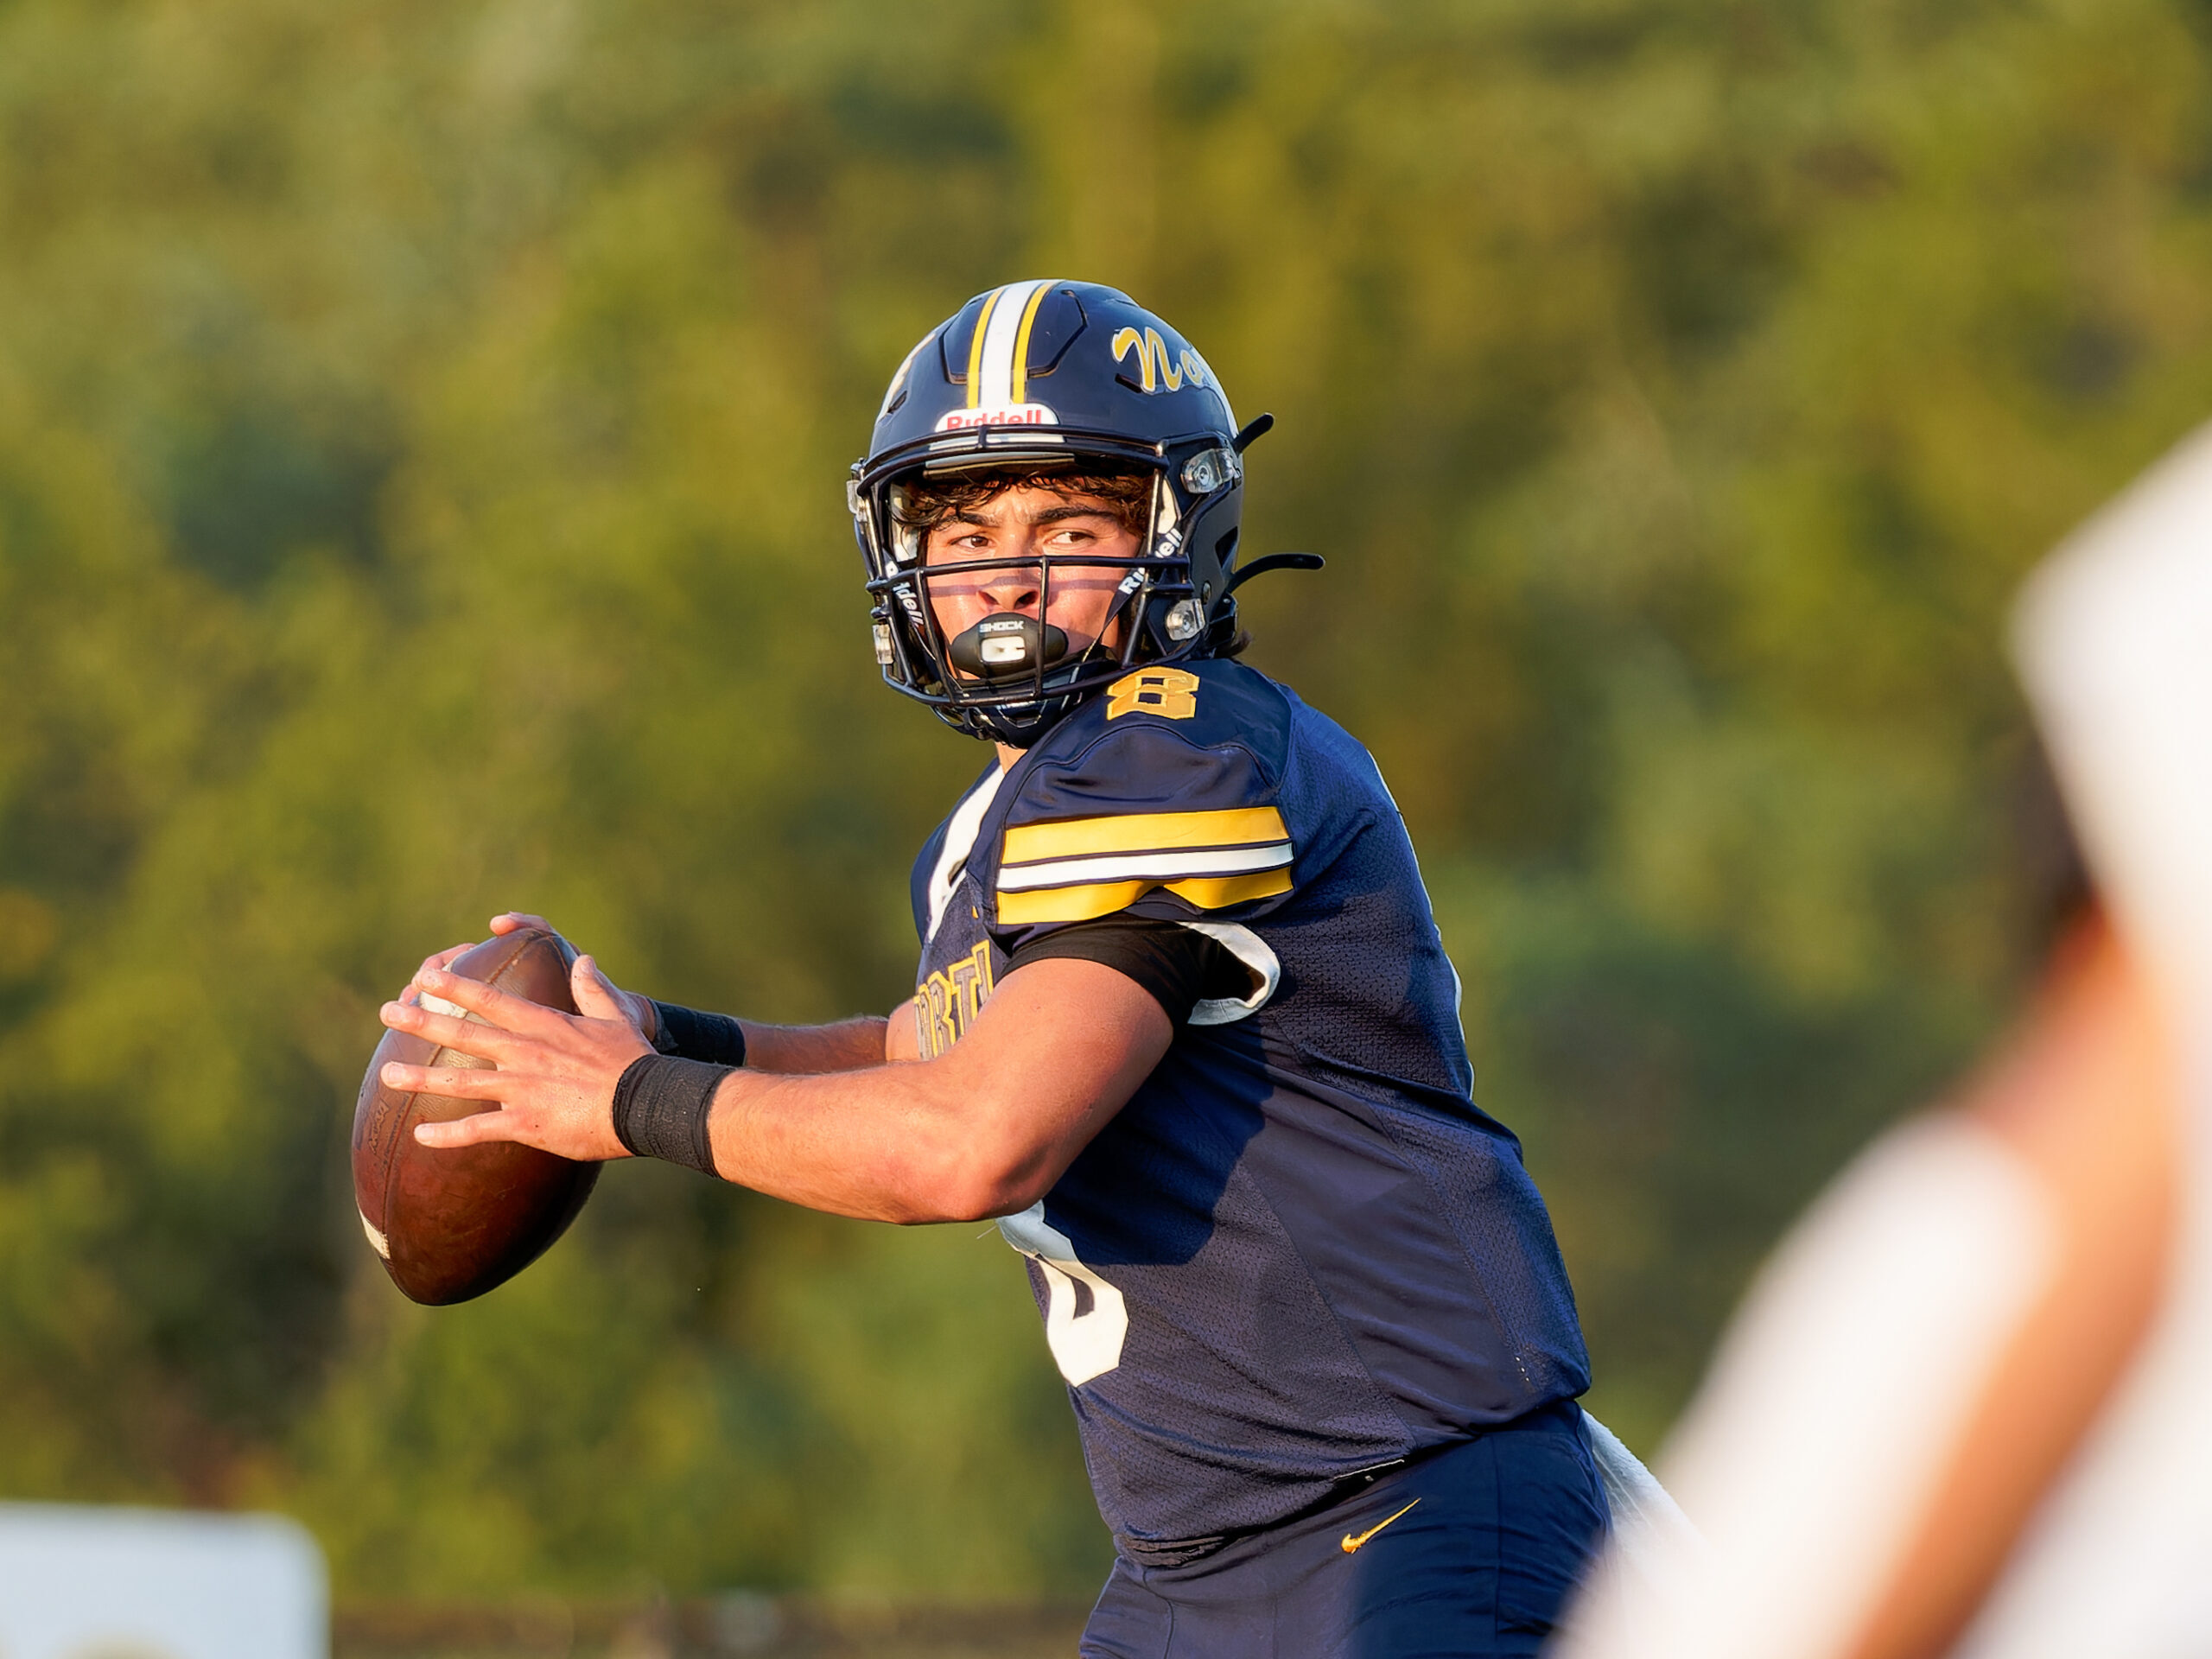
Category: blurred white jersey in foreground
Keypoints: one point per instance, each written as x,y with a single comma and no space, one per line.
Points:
1872,1339
2114,642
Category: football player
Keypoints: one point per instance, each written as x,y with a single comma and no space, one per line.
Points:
1182,1022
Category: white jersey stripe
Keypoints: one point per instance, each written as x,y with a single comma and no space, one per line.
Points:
1145,867
1253,953
1000,333
959,841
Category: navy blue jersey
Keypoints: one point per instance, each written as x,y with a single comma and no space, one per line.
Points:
1300,1250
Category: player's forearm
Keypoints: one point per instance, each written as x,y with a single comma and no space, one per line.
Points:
983,1130
906,1143
838,1047
846,1045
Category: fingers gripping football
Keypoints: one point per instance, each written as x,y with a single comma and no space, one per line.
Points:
431,964
551,1077
508,921
638,1009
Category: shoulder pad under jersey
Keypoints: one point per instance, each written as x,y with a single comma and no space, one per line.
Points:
1161,795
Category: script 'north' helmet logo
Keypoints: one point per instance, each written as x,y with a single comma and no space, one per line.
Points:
1153,362
964,420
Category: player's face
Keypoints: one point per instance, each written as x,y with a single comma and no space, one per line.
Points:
1029,523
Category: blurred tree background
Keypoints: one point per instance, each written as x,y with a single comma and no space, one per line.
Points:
421,438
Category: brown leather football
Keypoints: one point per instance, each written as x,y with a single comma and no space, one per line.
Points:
451,1225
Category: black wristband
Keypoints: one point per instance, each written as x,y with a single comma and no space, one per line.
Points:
661,1104
692,1035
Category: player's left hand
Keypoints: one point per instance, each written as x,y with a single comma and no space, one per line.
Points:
553,1086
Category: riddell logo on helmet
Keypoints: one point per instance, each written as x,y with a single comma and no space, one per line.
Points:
962,420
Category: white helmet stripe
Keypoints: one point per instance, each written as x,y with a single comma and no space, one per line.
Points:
1002,330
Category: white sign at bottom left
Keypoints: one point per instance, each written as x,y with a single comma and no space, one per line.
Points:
86,1583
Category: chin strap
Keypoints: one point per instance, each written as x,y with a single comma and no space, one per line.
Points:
1238,577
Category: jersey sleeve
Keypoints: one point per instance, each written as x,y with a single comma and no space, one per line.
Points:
1178,967
1163,819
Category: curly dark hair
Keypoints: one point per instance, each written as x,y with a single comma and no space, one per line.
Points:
1126,493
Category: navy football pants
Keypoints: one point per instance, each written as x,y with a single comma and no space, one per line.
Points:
1478,1566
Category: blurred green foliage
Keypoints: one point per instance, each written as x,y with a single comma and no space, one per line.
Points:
421,430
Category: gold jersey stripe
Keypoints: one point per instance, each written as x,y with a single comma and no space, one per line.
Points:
1021,343
1088,903
1070,904
975,350
1218,891
1143,832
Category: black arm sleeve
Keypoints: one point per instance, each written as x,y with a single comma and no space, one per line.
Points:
691,1035
1179,966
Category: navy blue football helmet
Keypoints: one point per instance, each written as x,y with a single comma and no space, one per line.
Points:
1047,375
